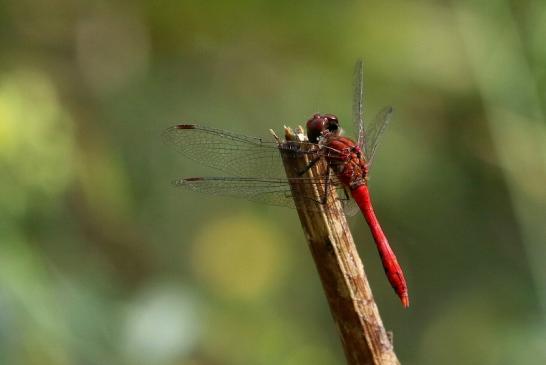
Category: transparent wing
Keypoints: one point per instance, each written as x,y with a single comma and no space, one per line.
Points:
350,208
235,154
267,191
254,166
374,131
358,102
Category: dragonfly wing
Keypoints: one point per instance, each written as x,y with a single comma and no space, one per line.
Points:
374,131
235,154
267,191
350,208
358,102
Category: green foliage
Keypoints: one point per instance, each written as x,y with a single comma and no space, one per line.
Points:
102,261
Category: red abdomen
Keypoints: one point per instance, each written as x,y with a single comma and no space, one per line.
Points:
393,270
349,164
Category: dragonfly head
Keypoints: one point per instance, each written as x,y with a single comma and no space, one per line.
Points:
321,124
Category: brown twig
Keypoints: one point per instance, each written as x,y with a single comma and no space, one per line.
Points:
341,272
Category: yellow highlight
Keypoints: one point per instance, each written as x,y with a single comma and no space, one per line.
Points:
238,256
36,136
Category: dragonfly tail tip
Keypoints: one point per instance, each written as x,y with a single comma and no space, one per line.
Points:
405,300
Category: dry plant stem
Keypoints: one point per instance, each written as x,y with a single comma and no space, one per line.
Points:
363,336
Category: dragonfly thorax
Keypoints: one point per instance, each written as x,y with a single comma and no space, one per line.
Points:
347,161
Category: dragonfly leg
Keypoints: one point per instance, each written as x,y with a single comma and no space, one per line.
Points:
309,165
324,198
346,197
320,201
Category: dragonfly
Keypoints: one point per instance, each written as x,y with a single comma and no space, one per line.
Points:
255,170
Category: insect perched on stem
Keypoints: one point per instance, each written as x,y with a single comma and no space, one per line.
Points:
256,170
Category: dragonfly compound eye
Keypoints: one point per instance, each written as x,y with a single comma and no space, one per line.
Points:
332,124
315,127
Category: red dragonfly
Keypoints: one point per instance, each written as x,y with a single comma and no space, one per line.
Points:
258,174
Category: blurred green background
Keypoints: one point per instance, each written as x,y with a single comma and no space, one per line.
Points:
102,261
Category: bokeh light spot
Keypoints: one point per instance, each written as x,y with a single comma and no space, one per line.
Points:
36,139
161,325
238,256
